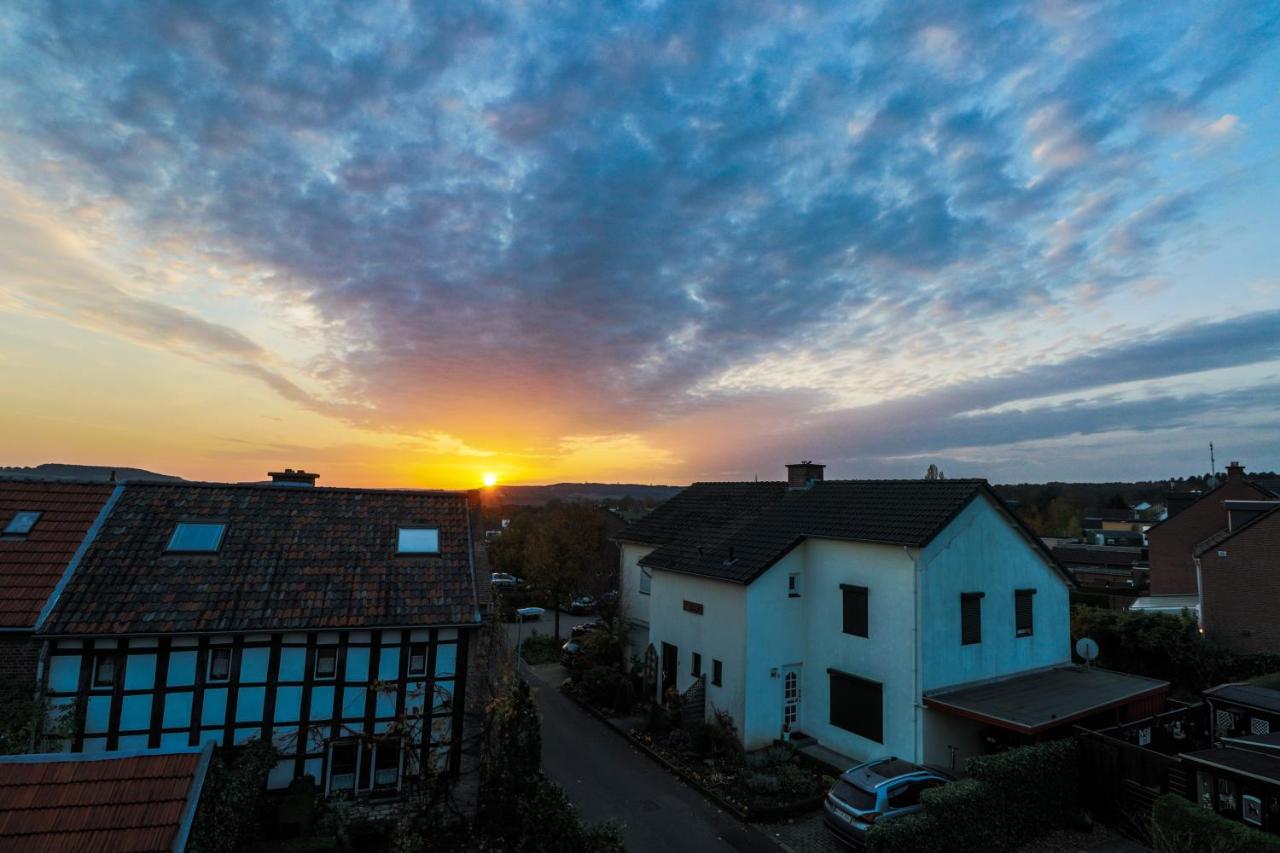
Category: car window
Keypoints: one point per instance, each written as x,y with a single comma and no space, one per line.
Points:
909,794
850,794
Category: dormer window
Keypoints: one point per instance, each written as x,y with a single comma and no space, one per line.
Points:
418,540
22,522
196,537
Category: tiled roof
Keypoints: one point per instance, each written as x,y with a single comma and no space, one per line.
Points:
703,509
1250,762
291,558
1248,695
124,804
894,512
32,565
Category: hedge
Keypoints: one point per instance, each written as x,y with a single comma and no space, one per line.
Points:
1181,826
1011,798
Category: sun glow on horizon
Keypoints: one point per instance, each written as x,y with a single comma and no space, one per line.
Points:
490,479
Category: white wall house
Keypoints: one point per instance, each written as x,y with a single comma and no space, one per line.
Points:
832,609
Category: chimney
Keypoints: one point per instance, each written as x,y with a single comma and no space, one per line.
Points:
802,475
290,477
1235,472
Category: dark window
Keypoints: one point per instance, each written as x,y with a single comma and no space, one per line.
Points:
793,586
343,761
326,662
386,765
22,522
693,607
697,664
418,659
1022,612
909,794
191,537
857,705
104,670
855,610
970,618
717,670
219,664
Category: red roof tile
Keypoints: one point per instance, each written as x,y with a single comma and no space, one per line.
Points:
32,565
124,804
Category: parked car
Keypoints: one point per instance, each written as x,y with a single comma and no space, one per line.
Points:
579,631
529,614
582,604
874,792
570,652
504,580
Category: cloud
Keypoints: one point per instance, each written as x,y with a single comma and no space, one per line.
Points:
589,219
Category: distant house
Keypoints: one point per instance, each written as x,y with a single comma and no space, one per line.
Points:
864,615
1239,572
43,526
1112,576
112,802
1171,542
340,624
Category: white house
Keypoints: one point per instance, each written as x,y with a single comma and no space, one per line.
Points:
904,617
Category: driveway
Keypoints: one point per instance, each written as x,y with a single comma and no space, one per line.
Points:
609,780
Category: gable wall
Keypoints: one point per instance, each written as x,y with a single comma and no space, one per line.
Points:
981,551
1240,581
1173,568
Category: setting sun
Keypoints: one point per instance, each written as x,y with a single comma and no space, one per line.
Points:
490,478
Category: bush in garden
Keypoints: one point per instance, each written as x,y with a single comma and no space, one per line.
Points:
230,814
762,783
1180,826
600,685
624,697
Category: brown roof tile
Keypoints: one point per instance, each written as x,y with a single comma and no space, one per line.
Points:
32,565
63,803
291,558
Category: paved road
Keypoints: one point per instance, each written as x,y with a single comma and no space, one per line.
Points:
609,780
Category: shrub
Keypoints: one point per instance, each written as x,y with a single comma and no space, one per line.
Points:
1014,797
229,817
600,685
1180,826
539,648
624,697
762,783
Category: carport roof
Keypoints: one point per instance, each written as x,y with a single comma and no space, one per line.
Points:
1044,699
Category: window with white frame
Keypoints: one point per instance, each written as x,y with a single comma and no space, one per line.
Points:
646,580
326,661
418,659
418,540
196,537
219,664
344,766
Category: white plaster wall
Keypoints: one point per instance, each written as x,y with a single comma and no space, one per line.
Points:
809,629
718,633
950,740
980,551
635,605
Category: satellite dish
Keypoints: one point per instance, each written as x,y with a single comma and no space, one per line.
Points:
1087,649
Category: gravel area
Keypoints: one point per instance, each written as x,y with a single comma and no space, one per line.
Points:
803,835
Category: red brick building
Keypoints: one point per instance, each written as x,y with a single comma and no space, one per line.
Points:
43,528
1171,542
1240,580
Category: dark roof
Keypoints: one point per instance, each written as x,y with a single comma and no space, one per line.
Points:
1249,762
1248,695
291,558
1269,743
136,803
1081,556
1224,534
1110,514
1265,489
1045,699
892,512
32,565
703,509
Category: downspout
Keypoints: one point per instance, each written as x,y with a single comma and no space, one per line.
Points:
917,700
1199,597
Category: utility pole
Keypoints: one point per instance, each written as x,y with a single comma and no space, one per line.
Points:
1213,466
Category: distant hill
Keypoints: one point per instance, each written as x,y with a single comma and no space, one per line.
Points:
99,473
539,495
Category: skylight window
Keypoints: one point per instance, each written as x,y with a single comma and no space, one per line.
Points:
22,522
191,537
419,540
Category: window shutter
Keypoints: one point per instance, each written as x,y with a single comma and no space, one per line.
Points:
857,705
855,610
1023,613
970,618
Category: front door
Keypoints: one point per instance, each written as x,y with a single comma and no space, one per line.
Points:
791,698
670,655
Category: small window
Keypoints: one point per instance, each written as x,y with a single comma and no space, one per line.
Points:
970,618
386,765
418,659
855,610
418,540
22,522
1022,612
191,537
219,664
646,580
717,672
697,664
793,586
326,661
104,671
344,759
1252,809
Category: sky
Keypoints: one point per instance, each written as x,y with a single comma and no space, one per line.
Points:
412,244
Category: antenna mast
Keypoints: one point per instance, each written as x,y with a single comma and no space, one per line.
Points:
1213,467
